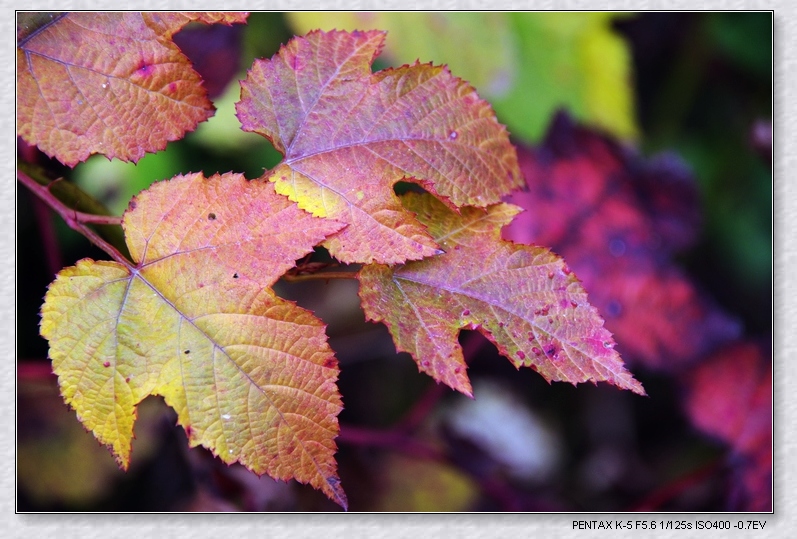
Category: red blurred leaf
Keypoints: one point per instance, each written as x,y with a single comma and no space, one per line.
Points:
524,299
617,218
109,83
214,51
729,397
349,135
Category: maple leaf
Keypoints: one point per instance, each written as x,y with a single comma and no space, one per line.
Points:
617,219
250,375
729,396
349,135
109,83
524,299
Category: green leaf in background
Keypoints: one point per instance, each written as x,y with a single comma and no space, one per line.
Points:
526,64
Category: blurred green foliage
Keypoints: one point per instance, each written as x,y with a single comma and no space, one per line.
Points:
526,64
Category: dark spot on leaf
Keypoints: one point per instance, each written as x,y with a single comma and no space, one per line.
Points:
145,70
457,370
536,351
133,204
127,379
211,217
234,275
106,364
466,312
189,430
172,87
550,275
425,363
521,355
187,352
329,363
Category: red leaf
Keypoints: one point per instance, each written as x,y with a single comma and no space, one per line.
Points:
617,218
349,135
729,396
215,52
524,299
110,83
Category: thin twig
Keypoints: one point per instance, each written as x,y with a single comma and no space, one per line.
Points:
322,276
28,369
74,219
390,439
44,222
656,499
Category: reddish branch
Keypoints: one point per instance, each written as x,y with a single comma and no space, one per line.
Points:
321,275
655,500
76,220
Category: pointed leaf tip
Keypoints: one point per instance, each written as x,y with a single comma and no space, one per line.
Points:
524,299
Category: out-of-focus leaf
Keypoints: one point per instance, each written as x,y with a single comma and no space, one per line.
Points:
526,64
501,425
729,396
58,462
194,319
524,299
348,136
215,52
617,219
417,485
109,83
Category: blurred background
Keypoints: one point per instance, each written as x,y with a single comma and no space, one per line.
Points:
667,116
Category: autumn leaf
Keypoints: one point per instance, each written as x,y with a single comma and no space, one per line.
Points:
250,375
729,397
109,83
349,135
618,219
524,299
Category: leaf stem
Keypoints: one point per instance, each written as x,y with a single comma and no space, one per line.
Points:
656,500
390,439
77,221
323,276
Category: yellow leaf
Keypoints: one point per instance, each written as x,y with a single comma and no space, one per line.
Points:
194,320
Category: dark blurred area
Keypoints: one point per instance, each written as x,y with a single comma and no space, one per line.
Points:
702,84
